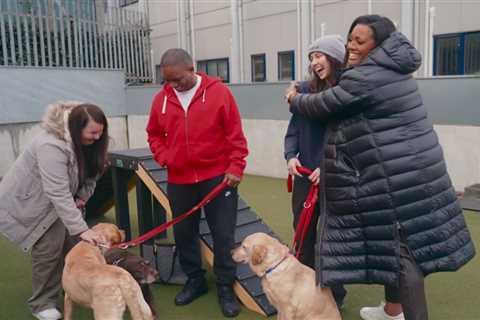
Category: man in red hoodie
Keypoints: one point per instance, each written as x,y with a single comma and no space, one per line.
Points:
196,132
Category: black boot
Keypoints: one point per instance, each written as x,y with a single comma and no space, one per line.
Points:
193,289
227,300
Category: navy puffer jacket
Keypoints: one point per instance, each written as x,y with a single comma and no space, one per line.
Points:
383,172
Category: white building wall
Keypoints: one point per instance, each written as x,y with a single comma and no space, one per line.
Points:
271,26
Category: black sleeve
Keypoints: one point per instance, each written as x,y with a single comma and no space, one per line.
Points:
351,92
291,139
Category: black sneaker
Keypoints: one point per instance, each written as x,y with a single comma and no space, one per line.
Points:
227,300
193,289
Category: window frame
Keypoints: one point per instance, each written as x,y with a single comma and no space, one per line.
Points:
279,53
206,61
126,3
252,57
461,51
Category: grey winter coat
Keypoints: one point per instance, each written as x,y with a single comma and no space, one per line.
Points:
40,186
383,173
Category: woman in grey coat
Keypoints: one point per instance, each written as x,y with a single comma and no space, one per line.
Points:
43,193
389,212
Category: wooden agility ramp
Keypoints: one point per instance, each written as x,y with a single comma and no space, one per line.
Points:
153,179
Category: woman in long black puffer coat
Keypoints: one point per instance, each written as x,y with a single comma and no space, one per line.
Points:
390,214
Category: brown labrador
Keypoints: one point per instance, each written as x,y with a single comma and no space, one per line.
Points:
88,280
139,268
288,284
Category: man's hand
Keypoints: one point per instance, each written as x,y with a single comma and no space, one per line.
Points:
291,91
292,165
315,177
232,180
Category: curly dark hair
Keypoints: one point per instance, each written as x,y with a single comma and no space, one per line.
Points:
381,26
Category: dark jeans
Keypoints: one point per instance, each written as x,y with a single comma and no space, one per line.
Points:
411,292
301,186
221,215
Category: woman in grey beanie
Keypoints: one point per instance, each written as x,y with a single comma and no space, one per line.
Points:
304,140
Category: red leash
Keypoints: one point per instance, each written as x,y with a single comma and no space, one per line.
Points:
152,233
307,212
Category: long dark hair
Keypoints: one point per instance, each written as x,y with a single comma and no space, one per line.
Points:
91,159
381,26
317,84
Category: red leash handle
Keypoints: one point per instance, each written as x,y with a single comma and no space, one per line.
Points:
301,170
307,212
152,233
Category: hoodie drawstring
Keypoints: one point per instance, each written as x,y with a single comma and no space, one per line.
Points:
164,107
203,97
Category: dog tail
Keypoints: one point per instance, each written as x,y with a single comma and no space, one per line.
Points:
133,296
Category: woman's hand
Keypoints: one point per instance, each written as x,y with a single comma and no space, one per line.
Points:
291,91
292,165
80,203
315,177
93,237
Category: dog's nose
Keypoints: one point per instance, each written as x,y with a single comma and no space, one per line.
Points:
232,252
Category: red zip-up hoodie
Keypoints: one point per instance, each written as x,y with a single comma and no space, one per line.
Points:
202,143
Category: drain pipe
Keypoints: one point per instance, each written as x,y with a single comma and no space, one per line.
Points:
235,42
191,14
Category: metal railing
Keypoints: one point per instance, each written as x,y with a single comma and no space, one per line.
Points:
43,33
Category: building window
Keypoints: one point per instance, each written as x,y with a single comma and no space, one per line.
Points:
286,65
124,3
259,72
457,54
216,68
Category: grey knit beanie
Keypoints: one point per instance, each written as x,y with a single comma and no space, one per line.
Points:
331,45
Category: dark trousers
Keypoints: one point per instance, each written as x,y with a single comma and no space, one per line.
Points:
411,292
301,187
221,215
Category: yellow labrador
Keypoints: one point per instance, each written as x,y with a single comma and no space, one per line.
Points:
288,284
89,281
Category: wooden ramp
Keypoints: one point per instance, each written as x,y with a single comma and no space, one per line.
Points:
152,183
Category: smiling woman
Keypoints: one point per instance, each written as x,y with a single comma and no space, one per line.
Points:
44,192
390,214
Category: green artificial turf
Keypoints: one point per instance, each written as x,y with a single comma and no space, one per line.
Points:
451,296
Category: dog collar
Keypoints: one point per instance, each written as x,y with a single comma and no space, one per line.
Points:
269,270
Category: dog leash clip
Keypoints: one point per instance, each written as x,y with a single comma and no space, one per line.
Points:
123,246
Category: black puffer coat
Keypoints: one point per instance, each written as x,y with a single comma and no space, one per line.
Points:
383,171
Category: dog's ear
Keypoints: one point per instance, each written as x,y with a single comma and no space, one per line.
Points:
258,254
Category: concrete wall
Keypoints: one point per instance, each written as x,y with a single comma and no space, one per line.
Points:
451,101
452,104
26,92
15,137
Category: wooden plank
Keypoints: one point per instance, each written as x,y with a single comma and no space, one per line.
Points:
241,293
156,191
